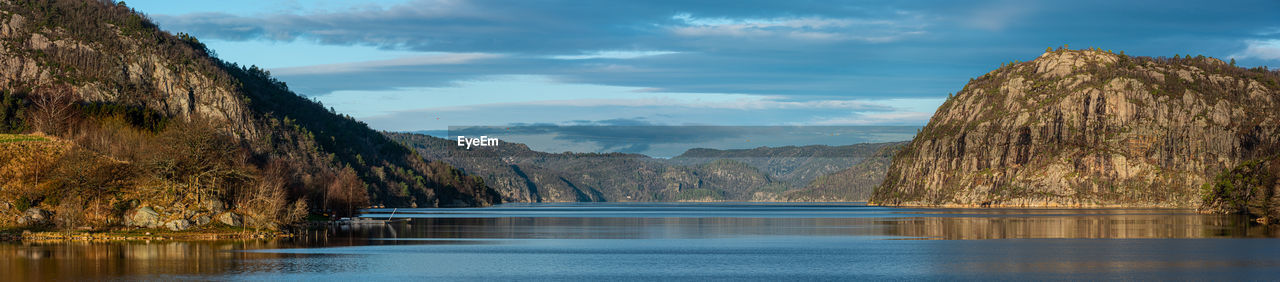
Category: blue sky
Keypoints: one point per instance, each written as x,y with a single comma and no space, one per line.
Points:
427,65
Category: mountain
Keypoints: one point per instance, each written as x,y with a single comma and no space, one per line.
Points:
795,165
520,174
1089,128
855,183
193,136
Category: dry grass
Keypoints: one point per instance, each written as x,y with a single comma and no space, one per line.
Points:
10,138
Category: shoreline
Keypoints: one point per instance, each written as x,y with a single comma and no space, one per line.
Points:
1034,205
133,235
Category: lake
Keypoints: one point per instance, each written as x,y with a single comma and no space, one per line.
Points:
700,241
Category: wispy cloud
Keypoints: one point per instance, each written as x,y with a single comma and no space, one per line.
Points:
422,60
811,28
809,58
1260,49
705,101
612,54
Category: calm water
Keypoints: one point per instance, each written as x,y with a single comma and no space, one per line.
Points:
705,242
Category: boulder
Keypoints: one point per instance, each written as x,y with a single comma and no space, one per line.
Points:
35,216
178,224
203,219
213,205
143,217
230,218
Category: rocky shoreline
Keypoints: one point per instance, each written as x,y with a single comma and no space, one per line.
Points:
148,235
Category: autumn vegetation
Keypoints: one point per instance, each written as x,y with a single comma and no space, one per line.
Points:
94,130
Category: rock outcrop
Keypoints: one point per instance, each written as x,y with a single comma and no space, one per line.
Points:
35,217
143,217
1089,128
230,219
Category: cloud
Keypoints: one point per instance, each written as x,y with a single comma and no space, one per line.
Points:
746,102
417,61
800,50
726,72
614,54
877,30
551,27
1260,49
676,110
879,118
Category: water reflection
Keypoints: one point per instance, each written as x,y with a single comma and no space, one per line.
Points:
80,260
714,240
639,221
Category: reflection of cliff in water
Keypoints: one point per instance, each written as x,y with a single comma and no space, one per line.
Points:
952,224
78,260
325,250
1103,224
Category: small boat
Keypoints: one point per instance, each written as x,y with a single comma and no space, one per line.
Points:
367,220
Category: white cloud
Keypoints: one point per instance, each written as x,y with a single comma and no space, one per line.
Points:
715,101
801,28
616,54
877,118
432,59
1260,49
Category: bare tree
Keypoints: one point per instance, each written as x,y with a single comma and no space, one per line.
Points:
54,107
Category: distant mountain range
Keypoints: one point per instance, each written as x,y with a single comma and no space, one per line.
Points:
520,174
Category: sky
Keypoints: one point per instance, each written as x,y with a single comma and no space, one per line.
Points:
412,65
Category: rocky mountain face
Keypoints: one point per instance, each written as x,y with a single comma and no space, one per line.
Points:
106,79
760,174
1089,128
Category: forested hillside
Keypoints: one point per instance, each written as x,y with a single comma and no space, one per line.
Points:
149,128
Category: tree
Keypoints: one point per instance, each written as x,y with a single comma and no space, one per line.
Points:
347,193
204,160
53,109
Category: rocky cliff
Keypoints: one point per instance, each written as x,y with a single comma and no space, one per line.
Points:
1089,128
103,77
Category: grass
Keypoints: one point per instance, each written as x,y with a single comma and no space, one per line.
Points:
7,138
